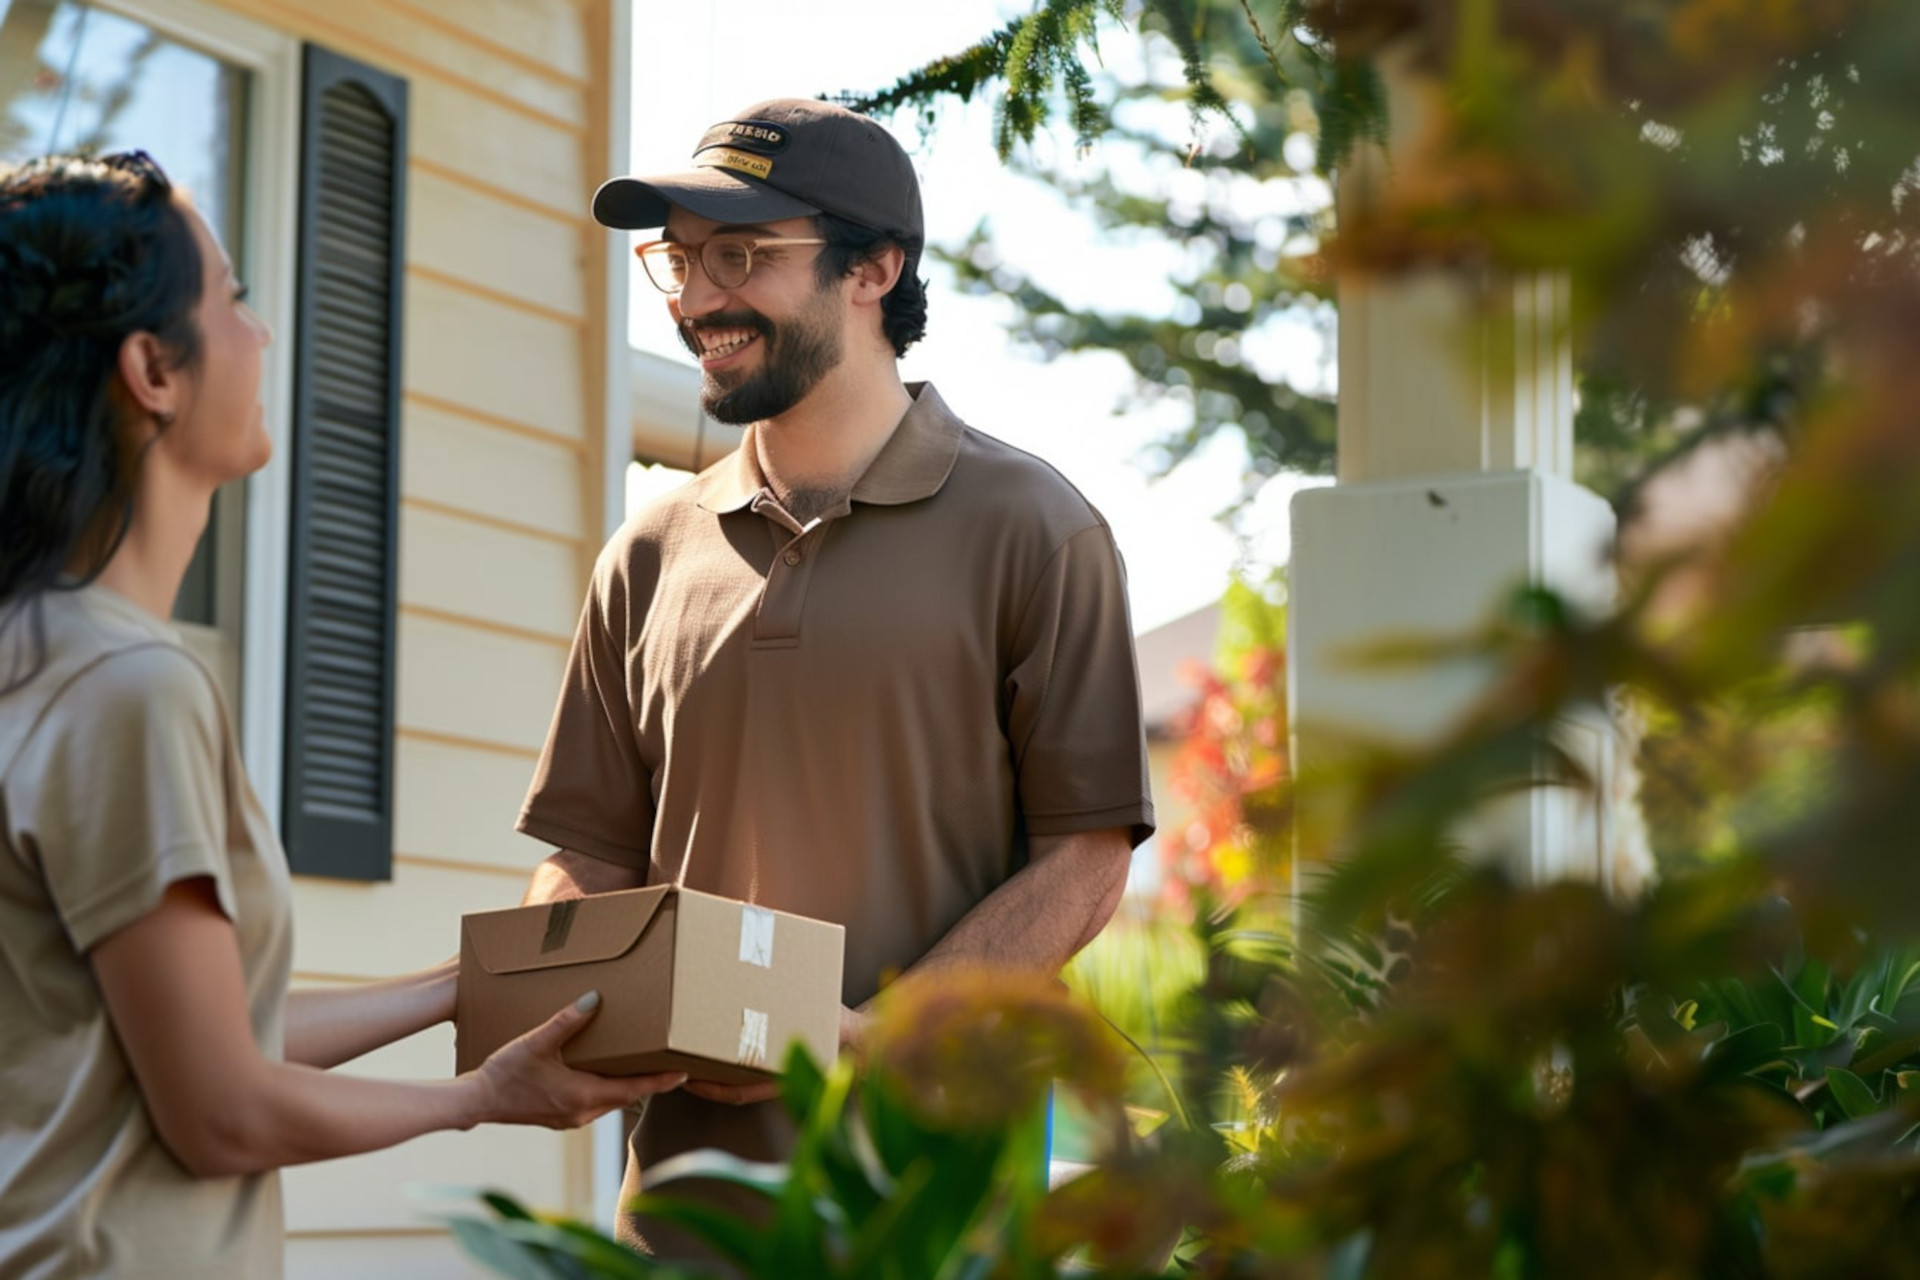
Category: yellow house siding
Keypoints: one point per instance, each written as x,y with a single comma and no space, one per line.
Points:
345,930
456,460
415,42
492,358
456,805
458,231
553,37
463,681
475,570
458,130
503,484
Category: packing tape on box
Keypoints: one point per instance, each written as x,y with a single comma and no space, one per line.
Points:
756,936
559,925
753,1038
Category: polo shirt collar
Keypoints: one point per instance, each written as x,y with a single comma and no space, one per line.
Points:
918,456
913,464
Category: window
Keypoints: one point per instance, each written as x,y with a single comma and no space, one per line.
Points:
90,79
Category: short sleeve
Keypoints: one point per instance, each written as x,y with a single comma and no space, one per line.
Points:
591,791
1079,747
122,790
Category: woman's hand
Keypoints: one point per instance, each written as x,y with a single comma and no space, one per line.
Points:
526,1082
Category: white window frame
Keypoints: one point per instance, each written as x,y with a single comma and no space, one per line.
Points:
608,1145
268,231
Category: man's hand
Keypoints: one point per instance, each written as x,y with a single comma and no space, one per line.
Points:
738,1095
567,874
853,1023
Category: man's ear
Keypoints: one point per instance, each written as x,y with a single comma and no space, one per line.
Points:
154,381
874,277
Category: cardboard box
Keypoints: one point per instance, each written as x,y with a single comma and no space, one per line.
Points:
688,982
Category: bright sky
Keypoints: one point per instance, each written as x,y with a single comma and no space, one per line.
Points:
697,65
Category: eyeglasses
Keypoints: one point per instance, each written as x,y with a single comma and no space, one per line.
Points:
726,258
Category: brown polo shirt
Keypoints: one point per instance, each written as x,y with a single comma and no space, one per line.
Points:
863,720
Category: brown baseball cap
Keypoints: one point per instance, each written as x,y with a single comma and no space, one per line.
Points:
784,158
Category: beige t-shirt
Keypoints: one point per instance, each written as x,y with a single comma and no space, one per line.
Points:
119,776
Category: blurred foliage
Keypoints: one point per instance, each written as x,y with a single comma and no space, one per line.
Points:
1418,1067
1230,770
1717,177
932,1165
1197,128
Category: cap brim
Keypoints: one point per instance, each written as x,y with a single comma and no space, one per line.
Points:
637,204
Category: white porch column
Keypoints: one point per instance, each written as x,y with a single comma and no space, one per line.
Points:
1455,486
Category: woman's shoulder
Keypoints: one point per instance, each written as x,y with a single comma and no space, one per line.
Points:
160,674
116,647
104,672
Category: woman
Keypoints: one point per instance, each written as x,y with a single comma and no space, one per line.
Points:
154,1071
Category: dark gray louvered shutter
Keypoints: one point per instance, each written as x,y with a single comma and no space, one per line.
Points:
338,784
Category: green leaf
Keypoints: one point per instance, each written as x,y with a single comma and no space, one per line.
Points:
1899,988
505,1205
1772,1174
801,1220
1348,1259
951,1187
1745,1050
1861,996
1852,1093
1746,1005
851,1173
769,1179
605,1258
1810,1031
1811,985
1888,1055
736,1239
801,1083
487,1245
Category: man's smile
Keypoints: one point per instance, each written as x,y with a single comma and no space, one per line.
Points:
717,340
718,344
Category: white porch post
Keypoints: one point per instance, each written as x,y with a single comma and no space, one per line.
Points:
1455,486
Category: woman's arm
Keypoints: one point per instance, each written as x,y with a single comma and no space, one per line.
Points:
173,987
327,1026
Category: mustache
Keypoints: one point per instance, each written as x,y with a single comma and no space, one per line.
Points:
689,329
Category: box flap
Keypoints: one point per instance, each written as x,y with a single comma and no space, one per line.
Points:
576,931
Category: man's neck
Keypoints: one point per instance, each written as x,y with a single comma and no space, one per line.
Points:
813,453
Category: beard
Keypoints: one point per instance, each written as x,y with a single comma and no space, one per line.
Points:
795,355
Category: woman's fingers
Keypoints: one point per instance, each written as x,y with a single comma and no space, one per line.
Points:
563,1026
534,1085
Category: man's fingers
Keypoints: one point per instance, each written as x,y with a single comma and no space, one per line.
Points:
631,1089
853,1026
734,1094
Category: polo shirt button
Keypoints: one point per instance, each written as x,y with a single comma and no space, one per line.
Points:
792,557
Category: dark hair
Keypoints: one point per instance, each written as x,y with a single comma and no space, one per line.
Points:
92,250
903,312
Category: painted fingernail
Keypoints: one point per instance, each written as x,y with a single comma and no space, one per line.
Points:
588,1002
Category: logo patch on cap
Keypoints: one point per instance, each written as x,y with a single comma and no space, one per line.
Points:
759,136
728,158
